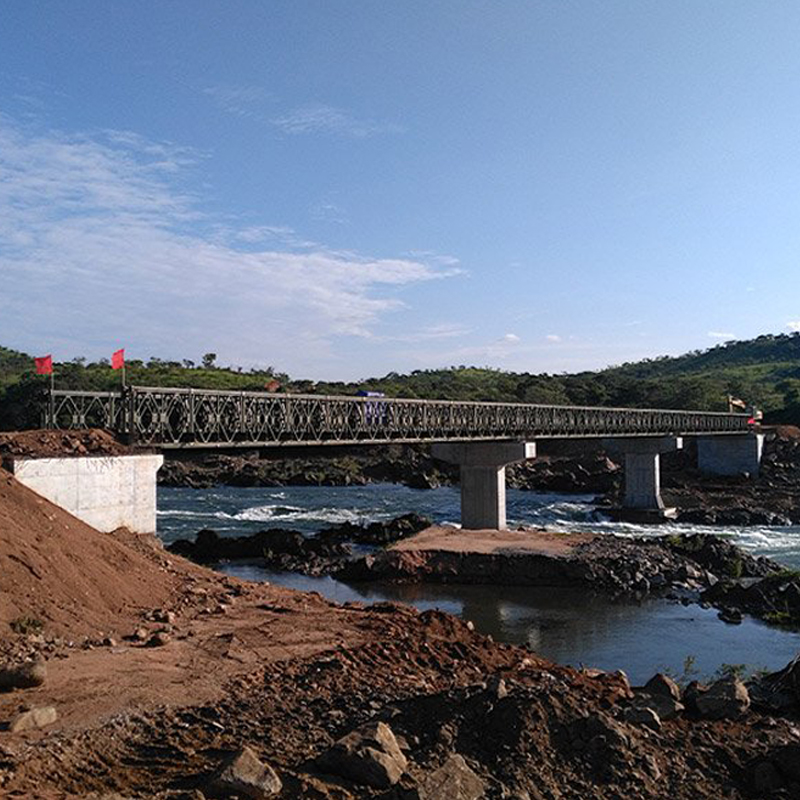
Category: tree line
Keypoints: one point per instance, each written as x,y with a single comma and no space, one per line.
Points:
764,371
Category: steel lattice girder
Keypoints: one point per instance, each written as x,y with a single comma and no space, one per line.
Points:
185,418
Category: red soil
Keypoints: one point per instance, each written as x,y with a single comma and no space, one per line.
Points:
60,444
76,580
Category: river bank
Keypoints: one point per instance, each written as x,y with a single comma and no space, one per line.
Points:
155,688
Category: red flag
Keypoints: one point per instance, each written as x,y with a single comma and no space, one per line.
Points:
44,365
118,359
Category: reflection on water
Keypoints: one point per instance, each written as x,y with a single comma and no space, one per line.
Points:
574,627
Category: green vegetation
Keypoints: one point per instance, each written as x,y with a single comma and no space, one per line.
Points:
743,672
26,625
764,371
782,619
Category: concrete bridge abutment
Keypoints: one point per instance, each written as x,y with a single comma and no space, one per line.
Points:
106,492
483,478
643,471
730,455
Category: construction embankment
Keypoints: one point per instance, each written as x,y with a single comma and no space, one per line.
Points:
152,674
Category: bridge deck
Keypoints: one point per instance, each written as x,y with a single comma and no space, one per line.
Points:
202,418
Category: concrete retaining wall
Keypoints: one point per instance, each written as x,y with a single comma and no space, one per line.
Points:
105,492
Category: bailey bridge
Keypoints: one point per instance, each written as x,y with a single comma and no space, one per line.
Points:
482,437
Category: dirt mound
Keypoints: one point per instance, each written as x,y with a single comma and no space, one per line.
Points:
67,575
60,444
788,432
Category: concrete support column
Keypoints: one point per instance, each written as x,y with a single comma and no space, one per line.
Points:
643,469
731,454
483,478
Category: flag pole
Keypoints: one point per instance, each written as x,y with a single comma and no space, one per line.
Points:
52,398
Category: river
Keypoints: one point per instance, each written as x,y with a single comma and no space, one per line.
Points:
567,626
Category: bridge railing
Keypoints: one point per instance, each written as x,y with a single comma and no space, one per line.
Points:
186,418
67,409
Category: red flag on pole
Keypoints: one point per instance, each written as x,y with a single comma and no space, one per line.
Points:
118,359
44,365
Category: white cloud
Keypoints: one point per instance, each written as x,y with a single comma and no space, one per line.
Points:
430,333
553,337
794,325
259,105
240,101
721,335
321,118
99,244
511,338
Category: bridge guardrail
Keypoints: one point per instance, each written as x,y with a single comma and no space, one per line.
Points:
187,418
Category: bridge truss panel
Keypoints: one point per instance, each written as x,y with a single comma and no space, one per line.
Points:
187,418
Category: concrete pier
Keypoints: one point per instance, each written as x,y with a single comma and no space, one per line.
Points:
730,455
483,478
643,470
106,492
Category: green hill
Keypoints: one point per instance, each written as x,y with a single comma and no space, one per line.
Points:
764,371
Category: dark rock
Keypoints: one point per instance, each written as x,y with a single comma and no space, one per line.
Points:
765,777
369,756
496,687
23,676
661,684
637,715
454,780
245,775
731,615
725,699
787,759
666,706
377,532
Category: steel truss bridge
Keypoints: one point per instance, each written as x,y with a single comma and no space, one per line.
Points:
201,418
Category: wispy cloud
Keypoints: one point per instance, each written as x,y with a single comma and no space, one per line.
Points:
240,101
721,335
100,243
327,211
259,105
321,118
553,337
430,333
510,338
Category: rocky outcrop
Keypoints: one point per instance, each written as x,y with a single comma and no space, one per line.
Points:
344,466
614,564
774,598
290,551
376,533
412,465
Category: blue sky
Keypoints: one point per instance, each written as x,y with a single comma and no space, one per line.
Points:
343,189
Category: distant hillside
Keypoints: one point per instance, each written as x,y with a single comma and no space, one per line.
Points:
764,371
